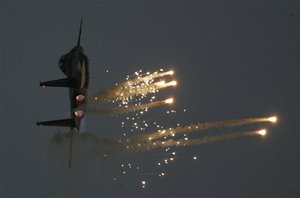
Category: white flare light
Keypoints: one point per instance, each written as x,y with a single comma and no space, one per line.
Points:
169,101
173,83
171,72
273,119
262,132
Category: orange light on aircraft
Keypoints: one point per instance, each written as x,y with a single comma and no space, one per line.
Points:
79,113
80,98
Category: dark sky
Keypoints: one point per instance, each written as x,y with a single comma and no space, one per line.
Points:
233,59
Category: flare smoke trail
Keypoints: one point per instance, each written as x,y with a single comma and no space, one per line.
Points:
193,142
200,126
105,148
128,109
102,147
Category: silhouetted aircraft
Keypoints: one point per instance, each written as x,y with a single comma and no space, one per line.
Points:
76,68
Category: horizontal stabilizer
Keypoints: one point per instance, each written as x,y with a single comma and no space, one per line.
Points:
65,82
60,123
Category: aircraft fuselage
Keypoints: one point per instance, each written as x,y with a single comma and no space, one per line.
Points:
78,71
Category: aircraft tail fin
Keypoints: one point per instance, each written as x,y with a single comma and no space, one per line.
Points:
79,34
70,151
65,82
60,123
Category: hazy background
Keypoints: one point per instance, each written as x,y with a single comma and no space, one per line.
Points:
232,59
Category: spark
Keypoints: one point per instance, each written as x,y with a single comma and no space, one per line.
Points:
144,183
161,174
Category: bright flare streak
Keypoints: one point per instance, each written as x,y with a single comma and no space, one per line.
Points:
172,83
199,141
144,184
128,109
198,127
262,132
169,101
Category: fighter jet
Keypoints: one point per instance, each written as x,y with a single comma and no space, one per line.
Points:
75,66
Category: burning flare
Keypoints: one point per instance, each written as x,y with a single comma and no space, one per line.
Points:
262,132
273,119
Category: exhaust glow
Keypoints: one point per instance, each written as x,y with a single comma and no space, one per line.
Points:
79,113
80,98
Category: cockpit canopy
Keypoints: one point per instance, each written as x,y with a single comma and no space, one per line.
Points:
62,63
64,59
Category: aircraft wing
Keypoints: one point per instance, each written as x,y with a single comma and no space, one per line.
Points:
64,82
61,123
